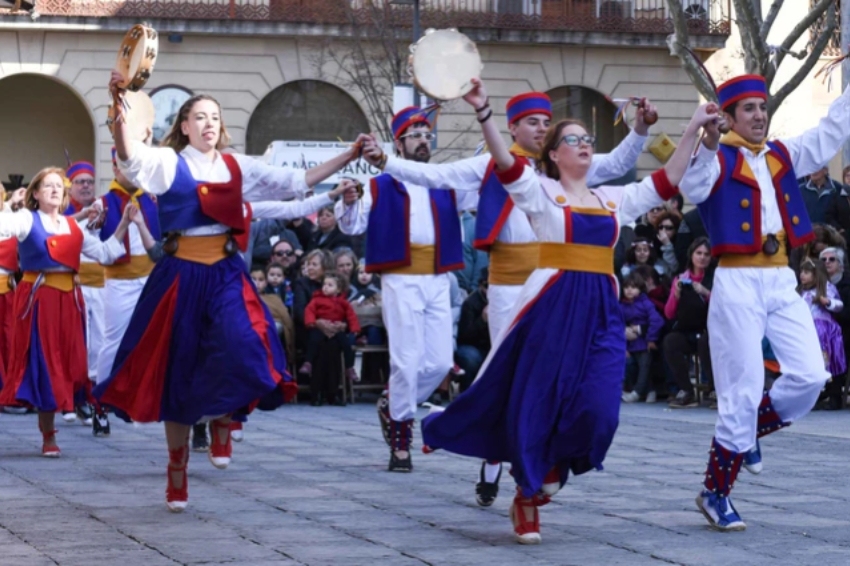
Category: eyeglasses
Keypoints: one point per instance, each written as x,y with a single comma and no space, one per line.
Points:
83,182
668,227
283,254
828,259
427,136
573,140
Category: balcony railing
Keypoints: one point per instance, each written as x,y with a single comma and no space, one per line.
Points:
706,17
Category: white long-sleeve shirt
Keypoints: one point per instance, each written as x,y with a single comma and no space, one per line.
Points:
809,153
467,175
19,225
155,170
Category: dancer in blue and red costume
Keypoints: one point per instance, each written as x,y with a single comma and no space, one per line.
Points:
200,342
746,191
48,361
8,267
548,395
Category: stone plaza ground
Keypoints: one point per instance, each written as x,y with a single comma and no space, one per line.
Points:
308,486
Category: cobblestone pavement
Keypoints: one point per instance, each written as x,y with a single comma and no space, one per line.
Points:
308,486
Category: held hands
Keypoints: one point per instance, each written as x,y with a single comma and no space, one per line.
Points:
641,127
371,151
130,211
705,114
343,187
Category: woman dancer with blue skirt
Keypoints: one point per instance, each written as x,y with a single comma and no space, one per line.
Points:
201,343
548,396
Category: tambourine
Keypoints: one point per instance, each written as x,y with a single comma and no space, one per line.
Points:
442,63
137,56
138,114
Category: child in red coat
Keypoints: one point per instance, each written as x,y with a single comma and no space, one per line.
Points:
326,316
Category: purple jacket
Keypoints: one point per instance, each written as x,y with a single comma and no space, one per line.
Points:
642,312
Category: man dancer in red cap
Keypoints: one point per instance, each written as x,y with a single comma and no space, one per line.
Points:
414,241
746,190
500,228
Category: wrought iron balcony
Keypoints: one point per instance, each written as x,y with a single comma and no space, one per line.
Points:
707,17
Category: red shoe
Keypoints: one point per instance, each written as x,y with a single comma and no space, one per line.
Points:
176,499
526,532
49,448
220,452
236,431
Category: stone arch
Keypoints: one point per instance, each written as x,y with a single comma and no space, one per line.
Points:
42,117
591,107
304,110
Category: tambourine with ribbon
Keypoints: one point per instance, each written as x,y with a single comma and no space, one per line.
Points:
442,64
138,114
137,56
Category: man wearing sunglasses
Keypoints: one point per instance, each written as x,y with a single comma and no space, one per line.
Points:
414,241
745,188
501,229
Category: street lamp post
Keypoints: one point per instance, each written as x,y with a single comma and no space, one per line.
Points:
416,33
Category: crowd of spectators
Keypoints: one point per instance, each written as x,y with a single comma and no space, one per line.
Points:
663,261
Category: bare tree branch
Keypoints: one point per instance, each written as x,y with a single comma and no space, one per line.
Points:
821,43
680,38
814,14
771,17
756,53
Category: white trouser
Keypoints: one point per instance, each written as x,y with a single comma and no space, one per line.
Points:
418,317
93,296
746,305
120,296
501,300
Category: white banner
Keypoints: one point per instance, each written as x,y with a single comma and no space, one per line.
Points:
305,155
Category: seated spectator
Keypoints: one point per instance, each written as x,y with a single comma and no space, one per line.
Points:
346,260
687,307
833,261
283,253
265,234
642,253
689,230
818,192
316,264
329,305
303,228
656,290
643,329
473,335
838,213
328,236
365,298
825,237
278,284
665,238
282,319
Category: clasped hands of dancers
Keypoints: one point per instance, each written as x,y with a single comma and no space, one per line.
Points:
547,397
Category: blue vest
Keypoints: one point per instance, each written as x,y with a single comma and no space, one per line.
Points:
38,249
494,207
190,203
115,204
732,213
388,238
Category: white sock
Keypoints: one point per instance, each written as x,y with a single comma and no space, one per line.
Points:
491,471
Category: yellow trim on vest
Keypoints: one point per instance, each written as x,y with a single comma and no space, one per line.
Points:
7,283
760,259
91,275
773,164
422,262
511,264
576,257
592,210
202,249
61,280
138,266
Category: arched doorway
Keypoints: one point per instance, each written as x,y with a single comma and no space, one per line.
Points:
592,108
41,118
304,110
